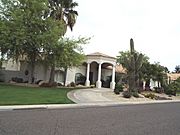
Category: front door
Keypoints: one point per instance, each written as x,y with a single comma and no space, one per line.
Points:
91,77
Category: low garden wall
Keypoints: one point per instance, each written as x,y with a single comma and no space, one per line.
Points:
7,75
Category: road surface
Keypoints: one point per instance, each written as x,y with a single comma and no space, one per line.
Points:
149,119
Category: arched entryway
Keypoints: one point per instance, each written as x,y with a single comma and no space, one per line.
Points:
106,74
95,64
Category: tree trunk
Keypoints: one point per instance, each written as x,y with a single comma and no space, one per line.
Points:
32,72
52,74
65,74
32,62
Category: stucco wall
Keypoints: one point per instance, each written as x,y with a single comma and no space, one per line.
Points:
11,65
41,72
7,75
72,72
59,77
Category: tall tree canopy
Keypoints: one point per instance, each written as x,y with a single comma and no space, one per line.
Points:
25,31
34,30
63,11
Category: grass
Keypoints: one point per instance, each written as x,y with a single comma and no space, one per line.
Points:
20,95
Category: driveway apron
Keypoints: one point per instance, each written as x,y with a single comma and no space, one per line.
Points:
89,95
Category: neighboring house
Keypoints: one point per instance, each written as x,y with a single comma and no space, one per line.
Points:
96,69
173,77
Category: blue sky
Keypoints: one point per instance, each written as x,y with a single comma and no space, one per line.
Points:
153,24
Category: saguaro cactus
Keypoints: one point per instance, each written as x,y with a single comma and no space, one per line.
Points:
134,64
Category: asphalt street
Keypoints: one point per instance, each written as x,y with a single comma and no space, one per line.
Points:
149,119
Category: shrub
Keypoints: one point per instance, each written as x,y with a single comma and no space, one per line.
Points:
172,88
1,80
150,95
46,84
16,79
119,87
116,91
59,84
72,84
37,82
126,94
135,94
170,92
54,84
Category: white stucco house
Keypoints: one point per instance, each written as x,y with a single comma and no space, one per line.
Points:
96,69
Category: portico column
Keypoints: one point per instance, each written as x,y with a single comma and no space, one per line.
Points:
112,85
87,75
98,83
144,85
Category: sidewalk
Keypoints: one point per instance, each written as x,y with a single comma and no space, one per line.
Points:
81,105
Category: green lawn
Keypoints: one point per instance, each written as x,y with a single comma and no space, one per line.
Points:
19,95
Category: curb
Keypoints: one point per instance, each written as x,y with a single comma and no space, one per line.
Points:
82,105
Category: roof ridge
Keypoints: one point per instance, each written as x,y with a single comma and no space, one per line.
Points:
99,54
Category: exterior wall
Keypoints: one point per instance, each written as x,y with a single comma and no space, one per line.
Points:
40,73
72,72
7,75
11,65
59,77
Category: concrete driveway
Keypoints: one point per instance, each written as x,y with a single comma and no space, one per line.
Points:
89,95
107,96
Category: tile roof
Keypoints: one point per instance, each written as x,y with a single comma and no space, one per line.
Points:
100,54
119,69
173,76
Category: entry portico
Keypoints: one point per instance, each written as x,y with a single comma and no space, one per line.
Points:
100,59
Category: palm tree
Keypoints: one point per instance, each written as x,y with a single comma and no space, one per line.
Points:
177,69
63,11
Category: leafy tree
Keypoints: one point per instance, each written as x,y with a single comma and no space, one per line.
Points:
158,73
31,30
173,87
26,31
65,54
177,69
